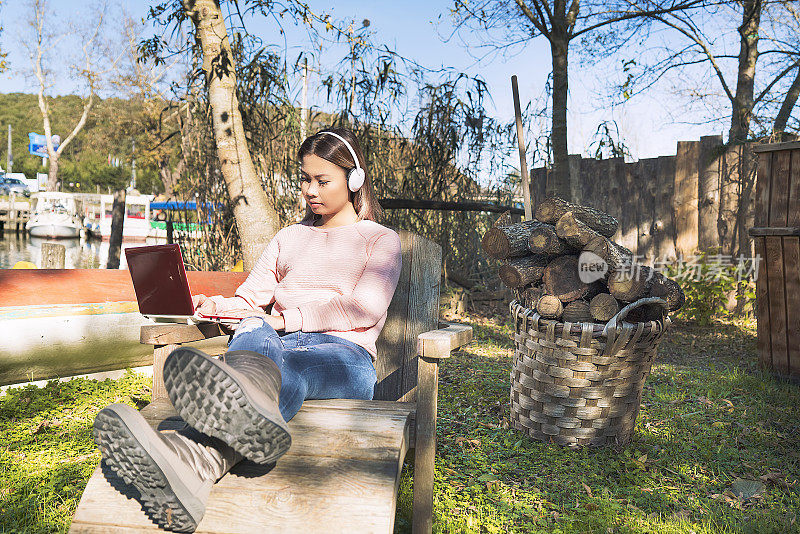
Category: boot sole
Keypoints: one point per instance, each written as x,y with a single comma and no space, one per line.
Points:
126,449
213,401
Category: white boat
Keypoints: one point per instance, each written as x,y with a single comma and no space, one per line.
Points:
56,215
137,216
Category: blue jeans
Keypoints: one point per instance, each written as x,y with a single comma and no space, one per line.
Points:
313,365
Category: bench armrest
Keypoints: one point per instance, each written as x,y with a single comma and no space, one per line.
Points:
439,343
175,334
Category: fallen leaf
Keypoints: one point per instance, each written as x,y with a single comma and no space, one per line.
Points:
587,489
728,498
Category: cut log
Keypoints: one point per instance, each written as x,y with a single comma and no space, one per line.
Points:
574,231
645,313
522,271
603,307
632,283
577,311
595,288
502,242
561,279
669,290
504,219
550,307
552,209
544,240
616,256
531,296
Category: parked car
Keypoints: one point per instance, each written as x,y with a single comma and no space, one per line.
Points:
9,185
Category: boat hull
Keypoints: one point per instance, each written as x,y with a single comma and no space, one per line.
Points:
55,231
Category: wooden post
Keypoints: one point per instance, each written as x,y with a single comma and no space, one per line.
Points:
708,191
523,164
777,242
160,353
117,222
665,213
425,447
686,189
53,256
647,208
12,211
729,200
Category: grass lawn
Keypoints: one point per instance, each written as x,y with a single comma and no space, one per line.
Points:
716,448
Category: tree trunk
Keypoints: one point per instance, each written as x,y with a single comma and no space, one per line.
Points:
788,104
742,105
558,181
552,209
52,173
117,222
256,221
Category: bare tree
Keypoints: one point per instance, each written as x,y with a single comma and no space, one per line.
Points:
747,86
697,45
560,22
45,41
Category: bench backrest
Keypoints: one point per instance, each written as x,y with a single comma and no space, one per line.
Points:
414,310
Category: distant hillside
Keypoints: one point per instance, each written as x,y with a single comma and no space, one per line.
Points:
106,133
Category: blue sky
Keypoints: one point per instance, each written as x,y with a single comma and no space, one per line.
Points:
410,28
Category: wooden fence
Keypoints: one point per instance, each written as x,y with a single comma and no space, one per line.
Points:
670,206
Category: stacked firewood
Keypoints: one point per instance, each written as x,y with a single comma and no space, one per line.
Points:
541,265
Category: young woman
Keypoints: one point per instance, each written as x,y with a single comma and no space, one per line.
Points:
329,280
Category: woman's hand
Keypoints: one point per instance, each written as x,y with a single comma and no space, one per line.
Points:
203,304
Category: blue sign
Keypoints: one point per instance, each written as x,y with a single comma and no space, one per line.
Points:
37,144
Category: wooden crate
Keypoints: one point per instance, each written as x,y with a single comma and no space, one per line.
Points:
777,242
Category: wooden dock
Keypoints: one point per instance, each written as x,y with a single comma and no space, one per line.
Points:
14,213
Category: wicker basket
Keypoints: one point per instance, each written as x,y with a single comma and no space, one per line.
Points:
578,384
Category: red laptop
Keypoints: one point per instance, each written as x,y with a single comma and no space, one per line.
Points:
162,289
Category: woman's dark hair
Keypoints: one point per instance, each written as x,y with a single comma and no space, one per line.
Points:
331,148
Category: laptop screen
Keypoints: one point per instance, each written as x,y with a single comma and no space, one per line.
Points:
159,280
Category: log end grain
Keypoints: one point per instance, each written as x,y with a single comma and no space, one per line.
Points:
550,307
603,307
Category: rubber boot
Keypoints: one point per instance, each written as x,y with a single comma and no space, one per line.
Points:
173,471
234,399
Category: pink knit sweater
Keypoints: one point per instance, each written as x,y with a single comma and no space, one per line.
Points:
339,280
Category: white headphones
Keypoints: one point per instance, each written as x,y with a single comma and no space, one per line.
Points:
356,177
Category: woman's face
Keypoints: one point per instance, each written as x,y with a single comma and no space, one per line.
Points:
324,185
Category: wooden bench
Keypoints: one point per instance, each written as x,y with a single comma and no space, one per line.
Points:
342,472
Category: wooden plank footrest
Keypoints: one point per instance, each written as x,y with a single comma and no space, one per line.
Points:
340,475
